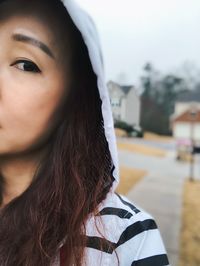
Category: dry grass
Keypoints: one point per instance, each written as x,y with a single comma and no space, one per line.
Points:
147,136
128,178
190,235
120,132
185,156
155,137
142,149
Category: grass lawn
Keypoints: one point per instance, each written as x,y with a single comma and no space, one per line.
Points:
142,149
120,132
190,235
128,178
156,137
147,136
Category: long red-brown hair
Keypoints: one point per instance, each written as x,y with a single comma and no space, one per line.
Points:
72,179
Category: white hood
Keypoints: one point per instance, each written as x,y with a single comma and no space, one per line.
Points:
88,31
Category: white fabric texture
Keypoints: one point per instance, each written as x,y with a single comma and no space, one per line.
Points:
132,231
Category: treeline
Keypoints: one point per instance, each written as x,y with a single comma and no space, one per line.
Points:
158,98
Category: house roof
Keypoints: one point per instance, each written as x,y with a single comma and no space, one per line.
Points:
187,116
189,96
125,89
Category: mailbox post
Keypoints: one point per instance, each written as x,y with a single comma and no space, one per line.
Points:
193,115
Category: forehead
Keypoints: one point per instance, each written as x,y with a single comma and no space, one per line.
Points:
46,22
27,25
26,13
41,13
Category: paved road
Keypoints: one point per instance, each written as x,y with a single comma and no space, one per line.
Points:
168,145
160,193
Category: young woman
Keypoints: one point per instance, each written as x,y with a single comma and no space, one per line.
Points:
58,159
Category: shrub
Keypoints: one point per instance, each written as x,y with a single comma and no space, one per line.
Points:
129,129
125,126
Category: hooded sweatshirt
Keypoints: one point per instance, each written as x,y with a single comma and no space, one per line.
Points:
130,232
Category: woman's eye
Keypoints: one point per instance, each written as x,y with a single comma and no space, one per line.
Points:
27,66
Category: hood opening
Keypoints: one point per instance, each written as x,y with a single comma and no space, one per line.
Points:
89,34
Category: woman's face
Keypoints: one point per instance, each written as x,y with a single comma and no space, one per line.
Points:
33,82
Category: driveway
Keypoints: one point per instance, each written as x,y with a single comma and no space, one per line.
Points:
160,192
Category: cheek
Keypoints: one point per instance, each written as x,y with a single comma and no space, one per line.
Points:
28,106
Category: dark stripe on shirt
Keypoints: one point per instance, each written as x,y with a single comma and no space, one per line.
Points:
158,260
135,229
131,231
133,208
100,244
115,211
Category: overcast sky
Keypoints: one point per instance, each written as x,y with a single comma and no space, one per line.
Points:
132,32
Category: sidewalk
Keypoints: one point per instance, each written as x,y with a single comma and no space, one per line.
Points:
160,194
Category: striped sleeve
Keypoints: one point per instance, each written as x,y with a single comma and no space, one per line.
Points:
149,250
141,244
131,236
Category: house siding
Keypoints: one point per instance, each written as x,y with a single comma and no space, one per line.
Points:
125,106
182,130
186,126
133,108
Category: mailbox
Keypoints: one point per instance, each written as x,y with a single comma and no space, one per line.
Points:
196,150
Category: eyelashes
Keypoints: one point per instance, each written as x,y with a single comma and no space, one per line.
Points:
26,66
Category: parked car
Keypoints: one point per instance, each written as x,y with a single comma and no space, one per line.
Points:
137,132
131,130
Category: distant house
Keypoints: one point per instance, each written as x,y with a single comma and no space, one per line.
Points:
125,103
185,121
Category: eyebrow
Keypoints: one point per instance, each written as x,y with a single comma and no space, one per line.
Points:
27,39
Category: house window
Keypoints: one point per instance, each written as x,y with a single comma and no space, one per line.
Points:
115,102
193,114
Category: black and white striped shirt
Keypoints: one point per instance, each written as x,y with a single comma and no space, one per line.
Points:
128,232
